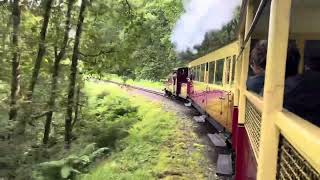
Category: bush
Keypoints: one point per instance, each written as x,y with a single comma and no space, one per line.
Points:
68,167
108,119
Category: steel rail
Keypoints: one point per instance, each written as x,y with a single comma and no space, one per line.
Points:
136,87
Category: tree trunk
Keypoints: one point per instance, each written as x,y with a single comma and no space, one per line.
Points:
15,81
41,50
73,76
55,74
76,106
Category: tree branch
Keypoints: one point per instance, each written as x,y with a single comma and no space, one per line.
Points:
129,10
56,52
2,3
39,115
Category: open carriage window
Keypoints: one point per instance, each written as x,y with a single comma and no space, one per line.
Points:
196,73
211,72
258,50
302,91
219,71
202,71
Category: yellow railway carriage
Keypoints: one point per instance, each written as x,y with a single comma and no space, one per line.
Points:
269,140
213,81
284,145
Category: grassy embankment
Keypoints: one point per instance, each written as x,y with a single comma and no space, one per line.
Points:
155,85
145,141
156,146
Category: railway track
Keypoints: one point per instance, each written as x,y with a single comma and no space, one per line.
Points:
136,87
216,139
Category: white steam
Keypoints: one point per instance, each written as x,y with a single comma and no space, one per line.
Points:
200,17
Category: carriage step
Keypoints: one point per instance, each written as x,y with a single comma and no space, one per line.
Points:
187,104
200,119
224,165
217,140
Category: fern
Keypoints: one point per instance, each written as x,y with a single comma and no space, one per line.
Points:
68,167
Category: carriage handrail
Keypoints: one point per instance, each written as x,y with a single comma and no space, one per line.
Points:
256,100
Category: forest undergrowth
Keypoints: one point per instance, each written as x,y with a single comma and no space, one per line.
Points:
119,136
157,147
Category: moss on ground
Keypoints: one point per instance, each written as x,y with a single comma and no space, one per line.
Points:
157,147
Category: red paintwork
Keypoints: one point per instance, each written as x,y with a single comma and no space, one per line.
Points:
199,97
189,87
234,127
246,165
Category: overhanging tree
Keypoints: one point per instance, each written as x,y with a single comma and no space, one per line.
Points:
58,56
73,76
15,79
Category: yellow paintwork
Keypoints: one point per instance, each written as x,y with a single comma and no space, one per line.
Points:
300,133
273,87
218,108
184,93
245,65
304,136
226,51
199,86
255,99
221,110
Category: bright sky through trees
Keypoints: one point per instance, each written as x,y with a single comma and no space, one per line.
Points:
200,17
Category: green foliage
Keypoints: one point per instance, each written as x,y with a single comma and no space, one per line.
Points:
134,44
68,167
146,153
129,39
155,85
108,118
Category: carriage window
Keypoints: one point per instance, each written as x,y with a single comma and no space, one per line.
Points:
202,70
191,73
197,73
302,94
211,72
258,53
219,71
233,68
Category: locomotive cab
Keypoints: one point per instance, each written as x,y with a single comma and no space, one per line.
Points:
177,82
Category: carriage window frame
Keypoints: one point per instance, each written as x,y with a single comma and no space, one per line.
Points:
197,72
233,75
219,79
227,70
212,67
191,73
